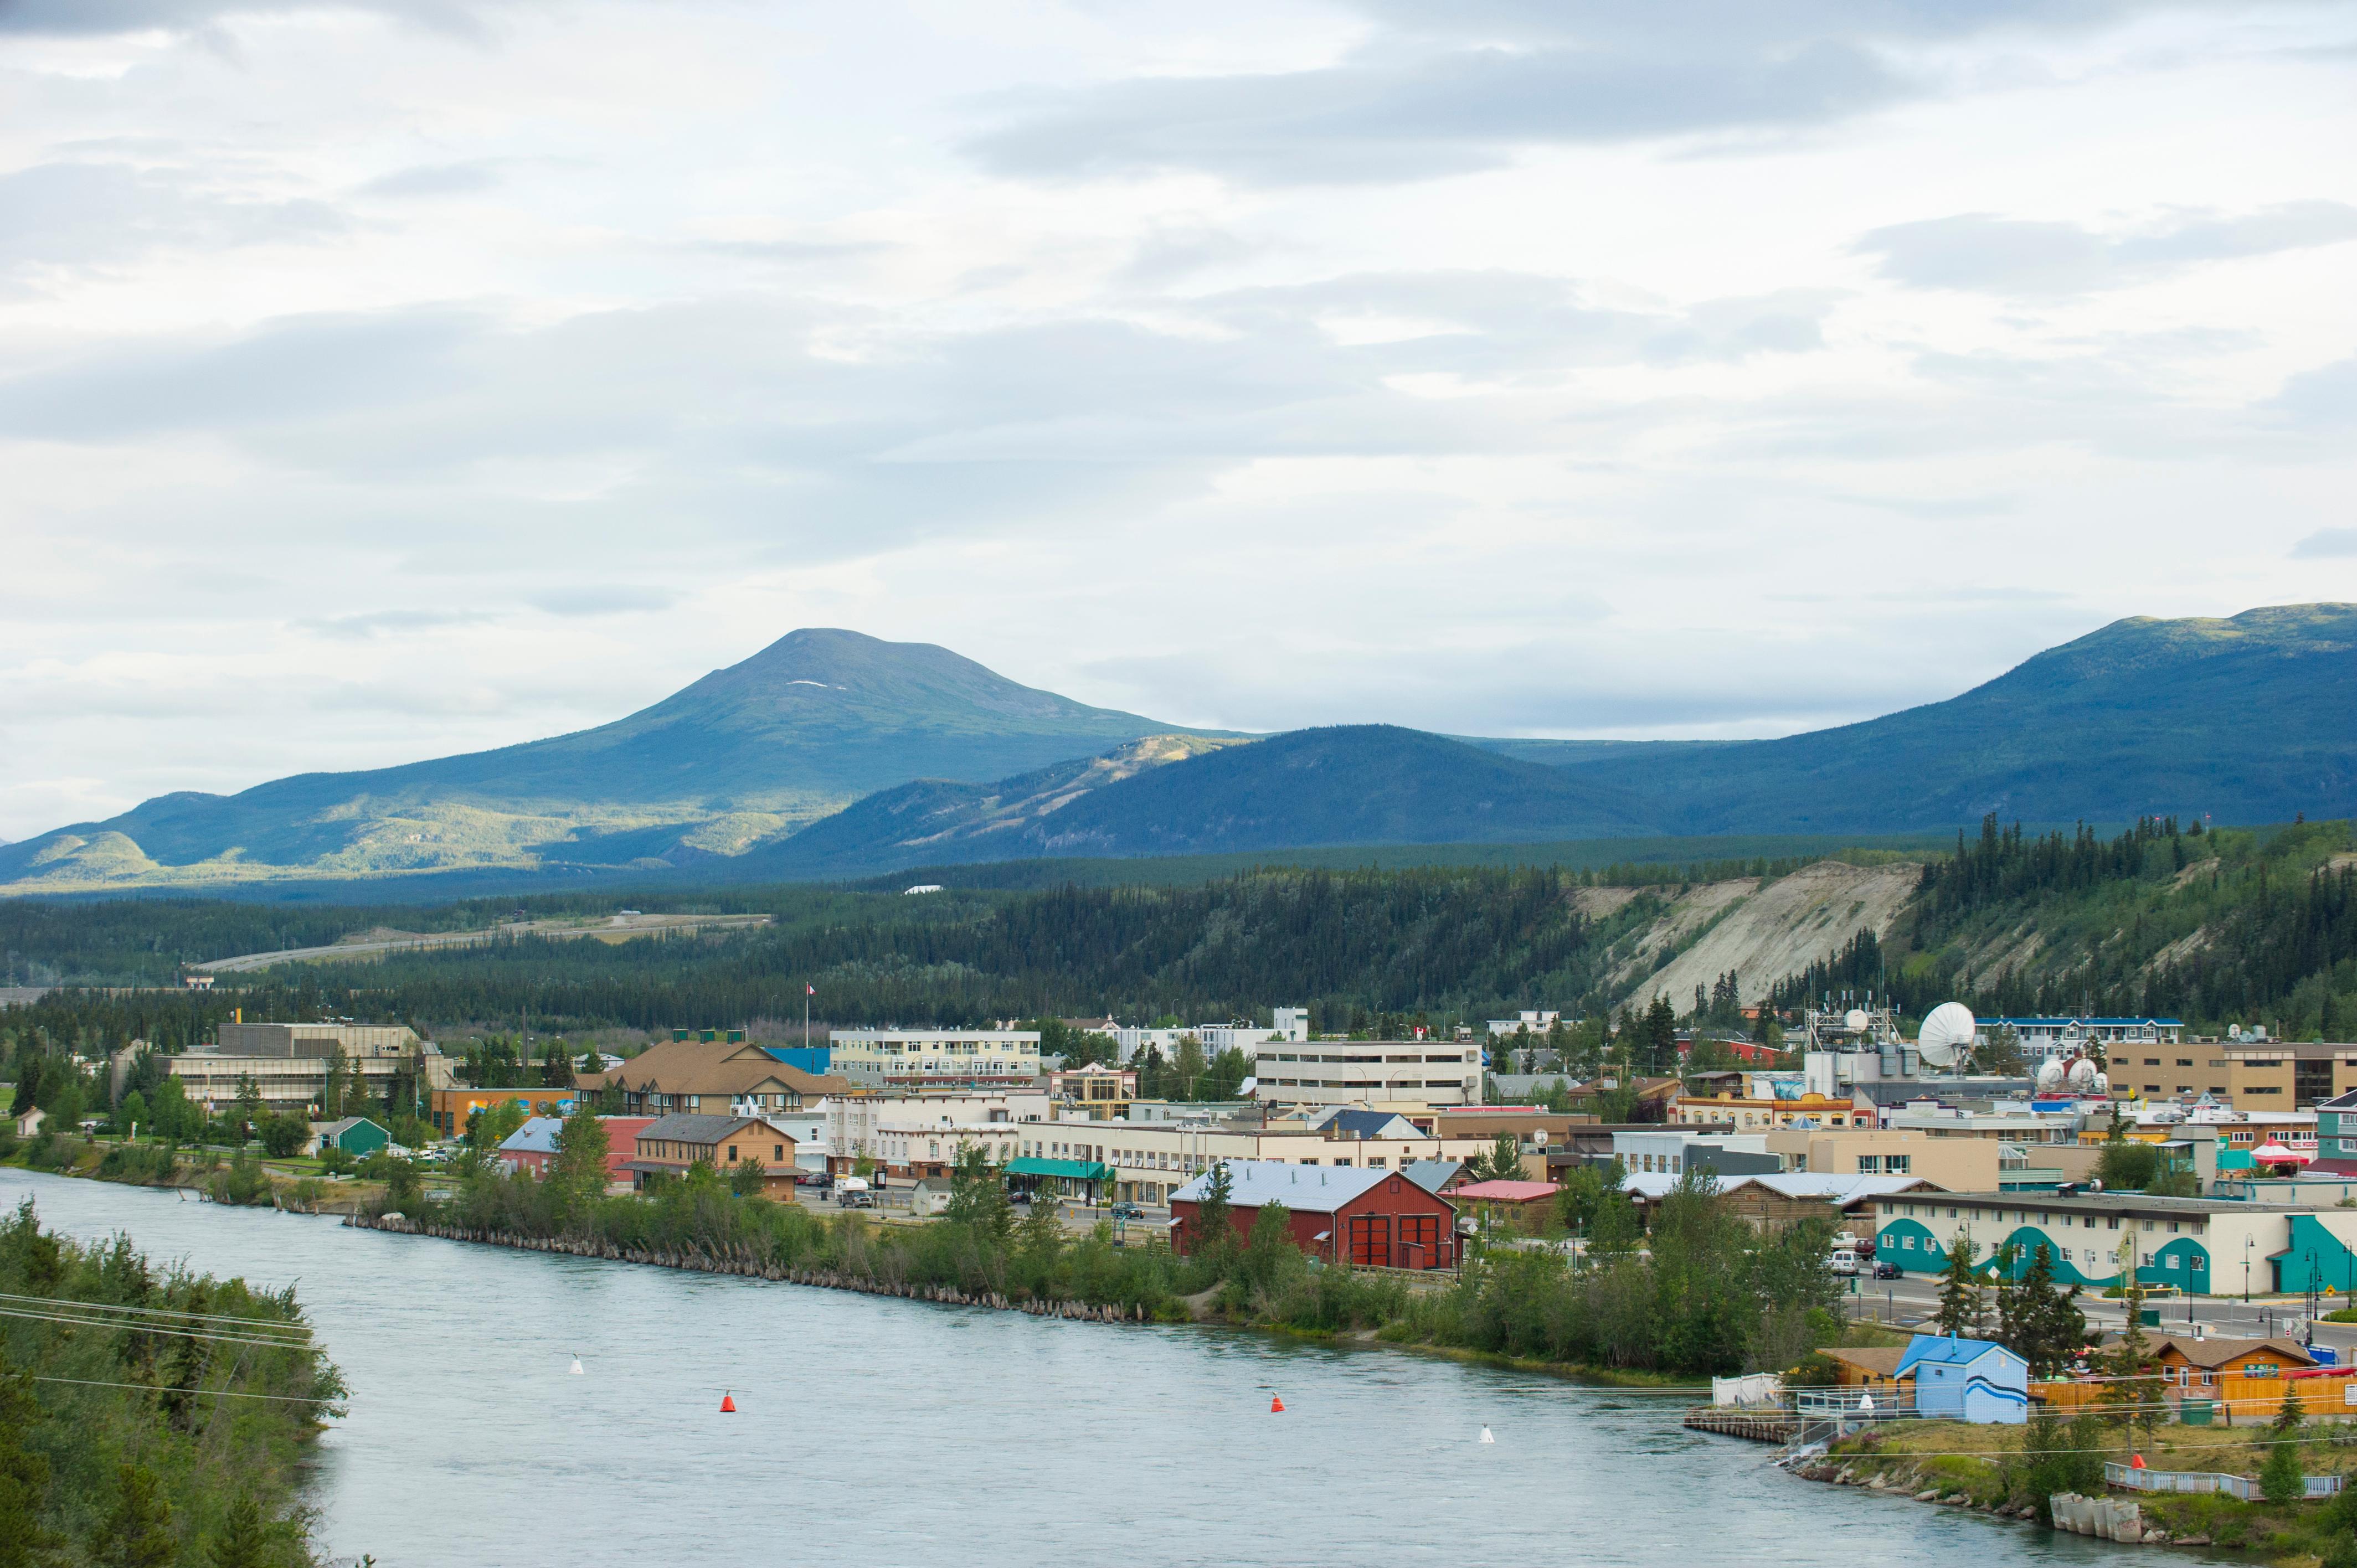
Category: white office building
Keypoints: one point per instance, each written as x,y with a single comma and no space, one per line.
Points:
936,1058
1368,1072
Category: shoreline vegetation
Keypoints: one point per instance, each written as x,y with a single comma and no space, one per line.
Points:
2014,1472
150,1415
1700,1293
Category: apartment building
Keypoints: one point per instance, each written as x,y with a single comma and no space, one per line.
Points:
943,1058
1369,1072
2278,1075
2059,1036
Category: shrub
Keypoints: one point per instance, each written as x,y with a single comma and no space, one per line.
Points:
2281,1479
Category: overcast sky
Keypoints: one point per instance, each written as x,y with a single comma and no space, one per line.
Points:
380,380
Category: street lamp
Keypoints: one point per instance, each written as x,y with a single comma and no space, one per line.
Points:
2246,1271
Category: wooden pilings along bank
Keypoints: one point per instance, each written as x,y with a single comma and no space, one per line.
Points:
741,1261
1759,1425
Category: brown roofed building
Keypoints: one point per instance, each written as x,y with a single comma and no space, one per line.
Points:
712,1078
669,1145
1866,1367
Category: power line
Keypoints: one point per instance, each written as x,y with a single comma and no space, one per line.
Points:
117,1326
257,1323
205,1393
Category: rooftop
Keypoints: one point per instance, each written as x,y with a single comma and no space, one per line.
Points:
1315,1189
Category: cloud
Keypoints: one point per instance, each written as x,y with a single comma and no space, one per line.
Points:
82,214
98,18
1443,90
1171,252
1981,252
434,180
384,623
2324,398
1382,118
2327,545
613,599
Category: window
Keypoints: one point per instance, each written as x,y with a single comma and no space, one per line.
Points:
1897,1165
2112,1223
1870,1164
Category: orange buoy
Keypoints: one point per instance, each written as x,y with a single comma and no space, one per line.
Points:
727,1405
2135,1461
1275,1405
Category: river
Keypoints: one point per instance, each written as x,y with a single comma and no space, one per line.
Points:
874,1431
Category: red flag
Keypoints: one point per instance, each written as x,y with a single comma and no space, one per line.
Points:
809,990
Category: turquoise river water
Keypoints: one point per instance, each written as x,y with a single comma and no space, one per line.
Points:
876,1431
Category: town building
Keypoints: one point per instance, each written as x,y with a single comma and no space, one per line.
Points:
449,1110
1967,1379
1745,1112
1368,1072
2211,1246
670,1145
1528,1022
355,1136
1095,1090
2058,1036
710,1076
289,1064
905,1059
2279,1075
1372,1219
873,1127
532,1147
1959,1165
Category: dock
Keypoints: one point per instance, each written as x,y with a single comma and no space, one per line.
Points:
1760,1425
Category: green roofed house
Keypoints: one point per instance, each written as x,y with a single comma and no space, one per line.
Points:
356,1136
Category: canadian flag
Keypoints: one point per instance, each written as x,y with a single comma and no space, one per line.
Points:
809,990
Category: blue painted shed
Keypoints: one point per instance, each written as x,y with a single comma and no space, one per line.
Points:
1967,1379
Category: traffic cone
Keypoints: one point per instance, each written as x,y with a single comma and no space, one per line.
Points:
1275,1405
727,1405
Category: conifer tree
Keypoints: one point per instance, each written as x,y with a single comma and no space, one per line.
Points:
136,1532
1960,1290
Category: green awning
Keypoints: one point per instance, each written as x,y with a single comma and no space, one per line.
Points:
1078,1170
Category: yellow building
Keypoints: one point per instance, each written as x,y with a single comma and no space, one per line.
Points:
1739,1113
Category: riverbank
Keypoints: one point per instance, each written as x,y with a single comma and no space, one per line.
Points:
2000,1472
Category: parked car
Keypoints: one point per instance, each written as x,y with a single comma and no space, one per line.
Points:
1127,1212
1884,1269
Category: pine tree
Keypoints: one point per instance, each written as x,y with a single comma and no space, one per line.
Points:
2282,1478
1960,1290
24,1475
244,1539
137,1530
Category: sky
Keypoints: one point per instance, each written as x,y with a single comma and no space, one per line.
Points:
390,379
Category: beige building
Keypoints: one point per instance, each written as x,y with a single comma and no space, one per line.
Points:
1958,1165
288,1063
1378,1073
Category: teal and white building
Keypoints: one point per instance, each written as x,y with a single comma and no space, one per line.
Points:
2202,1246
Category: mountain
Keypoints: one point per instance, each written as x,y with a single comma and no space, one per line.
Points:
815,721
1360,784
2252,719
748,773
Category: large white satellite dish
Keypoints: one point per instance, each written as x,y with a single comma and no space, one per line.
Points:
2083,1074
2049,1075
1856,1020
1947,1035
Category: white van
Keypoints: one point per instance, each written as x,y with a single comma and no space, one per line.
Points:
1844,1262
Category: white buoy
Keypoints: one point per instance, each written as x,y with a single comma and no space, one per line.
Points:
576,1365
1485,1437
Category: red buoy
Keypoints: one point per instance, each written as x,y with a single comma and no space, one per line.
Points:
1275,1405
727,1405
2135,1461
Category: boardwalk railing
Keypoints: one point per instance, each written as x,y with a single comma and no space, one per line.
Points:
2244,1486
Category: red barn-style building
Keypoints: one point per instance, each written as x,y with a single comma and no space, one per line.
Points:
1374,1219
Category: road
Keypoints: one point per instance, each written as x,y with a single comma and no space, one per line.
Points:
612,928
1915,1299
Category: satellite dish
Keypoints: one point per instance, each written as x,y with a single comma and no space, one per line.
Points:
2049,1075
2083,1074
1856,1020
1947,1033
2102,1084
